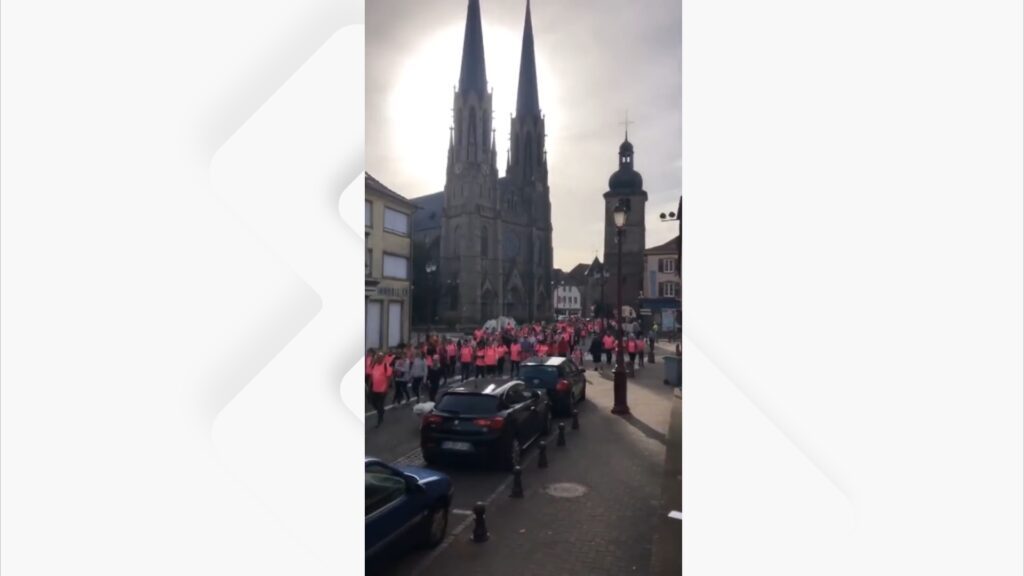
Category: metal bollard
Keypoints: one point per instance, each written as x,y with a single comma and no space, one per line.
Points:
542,457
575,419
561,434
517,483
479,523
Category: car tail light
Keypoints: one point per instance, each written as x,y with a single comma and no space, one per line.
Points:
431,419
562,386
490,423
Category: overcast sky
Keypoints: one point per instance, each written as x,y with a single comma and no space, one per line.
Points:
596,59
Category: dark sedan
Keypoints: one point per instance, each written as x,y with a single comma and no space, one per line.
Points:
405,507
564,382
495,424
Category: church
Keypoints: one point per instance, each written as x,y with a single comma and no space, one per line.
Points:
494,249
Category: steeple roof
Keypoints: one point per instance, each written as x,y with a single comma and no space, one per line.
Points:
473,77
527,101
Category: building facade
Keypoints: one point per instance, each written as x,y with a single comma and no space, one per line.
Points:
625,186
495,248
388,264
662,286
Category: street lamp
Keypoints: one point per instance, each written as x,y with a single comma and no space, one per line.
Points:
431,267
621,407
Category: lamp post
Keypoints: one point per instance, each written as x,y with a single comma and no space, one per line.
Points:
431,267
621,407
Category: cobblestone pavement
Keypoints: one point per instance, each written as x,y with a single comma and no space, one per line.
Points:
611,528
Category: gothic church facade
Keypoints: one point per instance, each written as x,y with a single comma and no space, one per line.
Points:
496,251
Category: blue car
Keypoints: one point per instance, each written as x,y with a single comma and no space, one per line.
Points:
405,507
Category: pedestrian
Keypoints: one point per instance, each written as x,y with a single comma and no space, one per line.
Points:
631,350
433,374
491,358
515,355
417,372
401,368
640,346
577,356
466,359
380,377
596,348
502,353
481,363
452,350
370,354
609,342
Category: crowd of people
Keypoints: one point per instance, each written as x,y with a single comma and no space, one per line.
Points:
422,368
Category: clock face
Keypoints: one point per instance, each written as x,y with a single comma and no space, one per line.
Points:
511,245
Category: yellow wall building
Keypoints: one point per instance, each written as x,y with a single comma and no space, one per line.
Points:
388,265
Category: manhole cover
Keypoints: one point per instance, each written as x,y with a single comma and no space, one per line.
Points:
566,490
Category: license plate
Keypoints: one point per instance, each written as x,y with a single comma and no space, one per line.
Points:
461,446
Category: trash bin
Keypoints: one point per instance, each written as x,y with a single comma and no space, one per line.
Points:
673,371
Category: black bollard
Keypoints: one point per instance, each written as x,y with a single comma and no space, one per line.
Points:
480,524
542,457
561,434
517,483
575,419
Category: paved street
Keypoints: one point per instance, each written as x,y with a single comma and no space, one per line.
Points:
619,524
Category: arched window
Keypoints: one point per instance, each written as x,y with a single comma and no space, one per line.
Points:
471,137
528,157
454,243
483,241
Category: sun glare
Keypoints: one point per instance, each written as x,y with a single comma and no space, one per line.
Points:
420,103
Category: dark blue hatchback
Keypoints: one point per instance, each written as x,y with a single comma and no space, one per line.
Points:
405,507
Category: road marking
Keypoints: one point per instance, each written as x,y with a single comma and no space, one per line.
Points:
462,526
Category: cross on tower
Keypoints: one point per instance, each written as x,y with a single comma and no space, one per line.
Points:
626,124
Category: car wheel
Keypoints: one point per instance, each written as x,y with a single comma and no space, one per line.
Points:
436,527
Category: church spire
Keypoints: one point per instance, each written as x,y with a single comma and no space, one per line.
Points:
473,76
527,101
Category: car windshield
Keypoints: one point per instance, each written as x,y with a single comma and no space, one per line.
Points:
538,372
468,403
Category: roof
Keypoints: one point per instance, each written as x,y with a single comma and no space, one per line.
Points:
670,247
546,361
431,208
372,184
473,76
527,101
579,271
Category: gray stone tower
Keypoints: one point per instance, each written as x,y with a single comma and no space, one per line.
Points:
496,248
625,185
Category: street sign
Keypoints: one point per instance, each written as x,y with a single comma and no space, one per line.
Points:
645,311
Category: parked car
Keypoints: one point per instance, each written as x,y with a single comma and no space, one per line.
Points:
563,380
405,507
495,424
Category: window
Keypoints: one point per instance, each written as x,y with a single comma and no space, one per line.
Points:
666,265
373,313
396,267
382,488
516,395
369,261
474,404
369,214
668,289
396,222
394,324
483,242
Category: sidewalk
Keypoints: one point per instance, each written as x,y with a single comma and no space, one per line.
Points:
601,505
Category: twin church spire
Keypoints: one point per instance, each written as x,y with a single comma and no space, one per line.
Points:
473,76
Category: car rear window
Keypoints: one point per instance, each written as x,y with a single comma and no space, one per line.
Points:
468,403
543,373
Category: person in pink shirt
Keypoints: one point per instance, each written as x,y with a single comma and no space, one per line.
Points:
452,351
609,346
491,358
380,382
466,359
502,352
